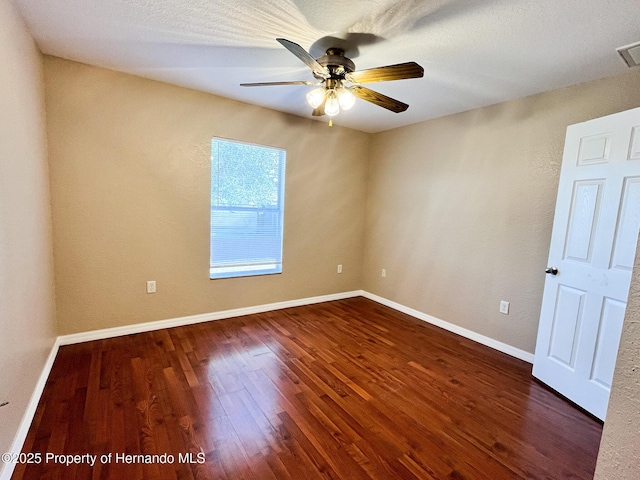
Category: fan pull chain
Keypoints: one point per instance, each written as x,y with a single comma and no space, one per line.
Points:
330,123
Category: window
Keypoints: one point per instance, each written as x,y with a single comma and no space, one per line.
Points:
247,209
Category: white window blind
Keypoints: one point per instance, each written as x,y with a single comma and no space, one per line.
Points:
247,209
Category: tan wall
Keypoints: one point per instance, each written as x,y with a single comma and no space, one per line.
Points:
130,175
460,208
619,456
26,267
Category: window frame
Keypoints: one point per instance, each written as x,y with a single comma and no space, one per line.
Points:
237,270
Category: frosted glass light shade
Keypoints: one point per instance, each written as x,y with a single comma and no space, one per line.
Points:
332,107
316,97
346,98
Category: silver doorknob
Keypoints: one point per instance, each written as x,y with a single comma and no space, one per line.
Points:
551,270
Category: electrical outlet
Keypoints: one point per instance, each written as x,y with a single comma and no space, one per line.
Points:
339,268
151,286
384,272
504,307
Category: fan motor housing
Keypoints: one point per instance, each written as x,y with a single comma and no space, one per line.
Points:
337,64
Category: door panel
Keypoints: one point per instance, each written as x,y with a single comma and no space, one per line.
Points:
593,243
594,149
626,236
566,325
634,148
583,220
608,340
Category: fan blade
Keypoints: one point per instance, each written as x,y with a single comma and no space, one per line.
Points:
379,99
267,84
303,55
400,71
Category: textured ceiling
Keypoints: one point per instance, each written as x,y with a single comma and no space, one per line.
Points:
475,53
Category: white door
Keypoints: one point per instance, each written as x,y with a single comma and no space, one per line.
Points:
593,242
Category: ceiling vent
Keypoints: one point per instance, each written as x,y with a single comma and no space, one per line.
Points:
630,54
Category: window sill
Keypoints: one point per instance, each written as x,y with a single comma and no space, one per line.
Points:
248,271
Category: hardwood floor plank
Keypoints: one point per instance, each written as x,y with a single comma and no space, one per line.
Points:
319,461
341,390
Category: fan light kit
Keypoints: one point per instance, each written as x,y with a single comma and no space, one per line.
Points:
339,83
334,99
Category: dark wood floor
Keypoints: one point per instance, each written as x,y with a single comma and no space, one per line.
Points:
341,390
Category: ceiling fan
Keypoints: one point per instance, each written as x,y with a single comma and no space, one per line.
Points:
339,83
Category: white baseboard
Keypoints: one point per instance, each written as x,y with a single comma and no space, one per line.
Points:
471,335
192,319
27,418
